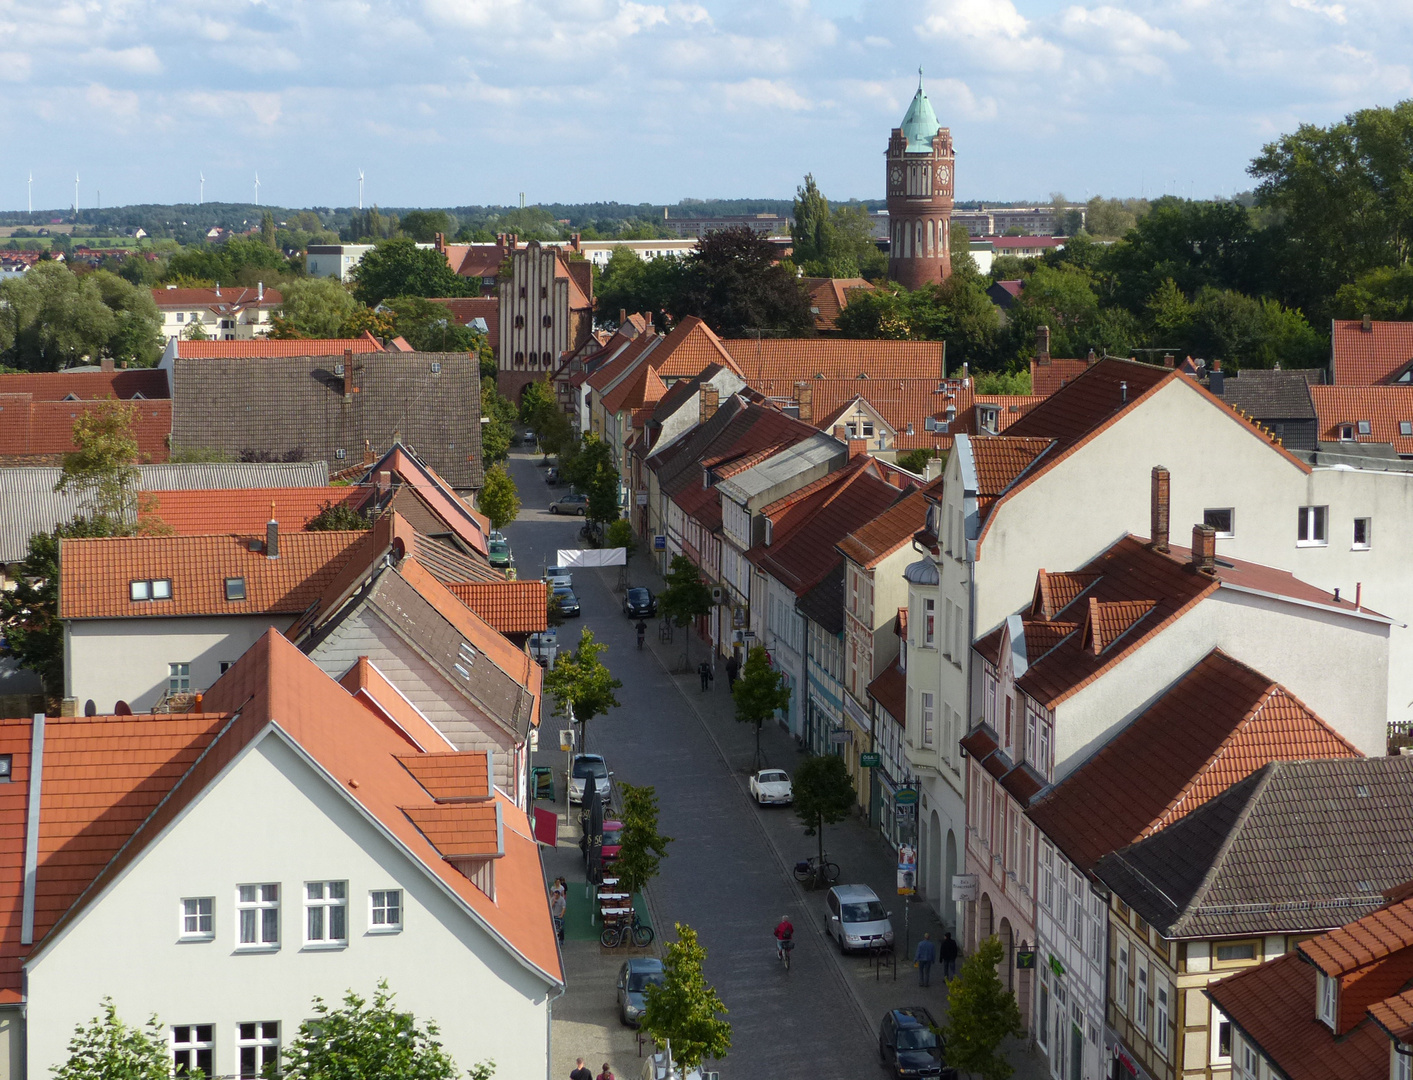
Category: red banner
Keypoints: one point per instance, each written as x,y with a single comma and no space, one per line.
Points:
546,826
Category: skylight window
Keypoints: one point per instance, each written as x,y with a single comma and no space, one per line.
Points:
235,588
151,589
1364,427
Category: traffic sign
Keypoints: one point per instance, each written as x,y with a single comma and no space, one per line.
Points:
905,796
870,761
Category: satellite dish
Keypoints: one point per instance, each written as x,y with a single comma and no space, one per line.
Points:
89,708
122,708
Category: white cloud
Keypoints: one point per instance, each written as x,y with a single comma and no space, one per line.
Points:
756,95
140,59
1333,12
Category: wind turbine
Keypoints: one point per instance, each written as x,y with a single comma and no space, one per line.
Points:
76,179
360,189
201,191
257,189
31,193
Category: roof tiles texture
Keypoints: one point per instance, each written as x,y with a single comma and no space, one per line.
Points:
1375,937
1368,358
791,360
870,544
247,510
255,347
1047,377
890,690
512,607
87,385
41,432
217,299
1376,414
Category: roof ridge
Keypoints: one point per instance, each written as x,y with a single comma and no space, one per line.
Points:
1264,776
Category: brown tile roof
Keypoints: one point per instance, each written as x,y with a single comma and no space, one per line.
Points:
1382,408
791,360
1056,590
466,308
43,430
621,360
1001,461
638,388
1395,1016
691,348
1047,377
890,690
1019,779
829,296
96,575
246,510
229,299
1215,726
435,495
460,831
1368,359
1297,846
872,543
214,349
87,385
1274,1006
512,607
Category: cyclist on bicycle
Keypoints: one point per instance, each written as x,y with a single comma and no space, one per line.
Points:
783,933
642,629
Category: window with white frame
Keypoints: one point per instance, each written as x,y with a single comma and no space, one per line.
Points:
178,678
1402,1066
1140,994
1329,999
258,1047
198,918
1121,974
1363,533
1250,1062
258,916
1310,526
1096,930
960,637
386,913
1077,923
1160,1017
150,589
928,717
1042,1029
1221,1038
1047,875
947,629
929,622
1223,519
1027,847
193,1048
1062,895
1013,846
326,913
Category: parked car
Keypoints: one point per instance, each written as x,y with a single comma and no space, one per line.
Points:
544,647
573,503
639,603
771,787
568,602
557,576
612,842
634,978
552,476
498,553
585,768
857,919
908,1043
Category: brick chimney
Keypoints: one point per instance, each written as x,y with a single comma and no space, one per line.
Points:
838,432
1204,550
804,400
272,536
106,364
707,401
1368,325
384,483
1158,512
350,384
1216,381
1168,360
1042,345
857,448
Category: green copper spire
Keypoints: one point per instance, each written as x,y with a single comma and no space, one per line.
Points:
920,124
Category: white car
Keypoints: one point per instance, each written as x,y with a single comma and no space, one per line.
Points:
544,647
771,787
588,767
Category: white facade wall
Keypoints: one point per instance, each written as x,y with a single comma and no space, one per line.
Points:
785,637
244,325
1071,925
336,263
272,818
112,660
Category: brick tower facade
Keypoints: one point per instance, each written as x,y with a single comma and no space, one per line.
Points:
921,176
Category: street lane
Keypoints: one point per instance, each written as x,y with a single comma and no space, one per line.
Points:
721,875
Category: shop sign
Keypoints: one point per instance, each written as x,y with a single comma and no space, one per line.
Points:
964,887
870,760
659,542
1025,959
1055,965
906,796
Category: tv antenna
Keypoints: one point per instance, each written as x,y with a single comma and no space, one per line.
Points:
257,189
76,182
360,189
201,191
31,193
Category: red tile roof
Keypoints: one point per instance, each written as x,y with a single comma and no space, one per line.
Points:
247,510
371,687
96,575
512,607
465,308
870,544
1001,461
214,349
1384,409
690,349
890,690
451,776
638,388
1379,356
791,360
231,298
44,429
88,385
1375,937
829,296
1215,726
1274,1006
1047,376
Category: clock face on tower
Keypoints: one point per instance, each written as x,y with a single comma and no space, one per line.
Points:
943,174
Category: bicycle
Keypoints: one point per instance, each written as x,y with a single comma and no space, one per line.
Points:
630,929
787,945
816,871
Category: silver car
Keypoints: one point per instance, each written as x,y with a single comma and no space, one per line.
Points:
857,919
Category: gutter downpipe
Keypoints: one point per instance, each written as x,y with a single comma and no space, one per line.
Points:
36,782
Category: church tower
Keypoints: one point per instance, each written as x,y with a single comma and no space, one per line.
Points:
921,178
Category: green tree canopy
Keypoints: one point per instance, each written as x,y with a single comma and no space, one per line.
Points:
400,268
824,794
423,225
760,692
238,261
317,307
50,319
581,682
109,1049
981,1013
685,597
591,470
1385,293
430,327
642,847
732,281
686,1010
102,471
499,425
834,242
499,500
337,517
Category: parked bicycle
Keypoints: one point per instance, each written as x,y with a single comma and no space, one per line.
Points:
816,872
621,932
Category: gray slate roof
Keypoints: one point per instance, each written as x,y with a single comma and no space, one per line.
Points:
824,604
294,404
1270,395
1297,846
29,504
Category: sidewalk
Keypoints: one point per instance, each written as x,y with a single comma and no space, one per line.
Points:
863,854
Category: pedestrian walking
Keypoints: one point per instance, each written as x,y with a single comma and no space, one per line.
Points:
925,955
733,668
704,670
558,904
580,1071
947,952
607,1073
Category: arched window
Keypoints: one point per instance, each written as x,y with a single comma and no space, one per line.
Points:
520,358
930,248
919,239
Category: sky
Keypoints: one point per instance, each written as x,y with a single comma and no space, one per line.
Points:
468,102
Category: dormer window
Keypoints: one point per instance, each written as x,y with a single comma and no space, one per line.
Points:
1327,1007
1346,433
151,589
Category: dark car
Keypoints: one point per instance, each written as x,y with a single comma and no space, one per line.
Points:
634,978
551,476
568,602
639,604
908,1043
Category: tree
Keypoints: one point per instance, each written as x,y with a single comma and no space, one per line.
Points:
582,684
109,1049
423,225
759,693
685,1009
401,268
429,327
267,231
238,261
981,1013
1385,293
824,794
732,281
535,399
337,517
915,461
376,1039
685,597
499,500
499,416
315,308
102,471
642,847
592,472
51,319
620,535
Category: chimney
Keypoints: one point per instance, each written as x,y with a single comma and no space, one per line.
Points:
259,292
1092,357
574,241
272,536
218,288
622,316
106,364
857,448
1204,550
804,400
384,483
1042,345
707,401
439,242
1368,325
1161,488
1216,381
1168,360
1123,393
838,433
349,389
